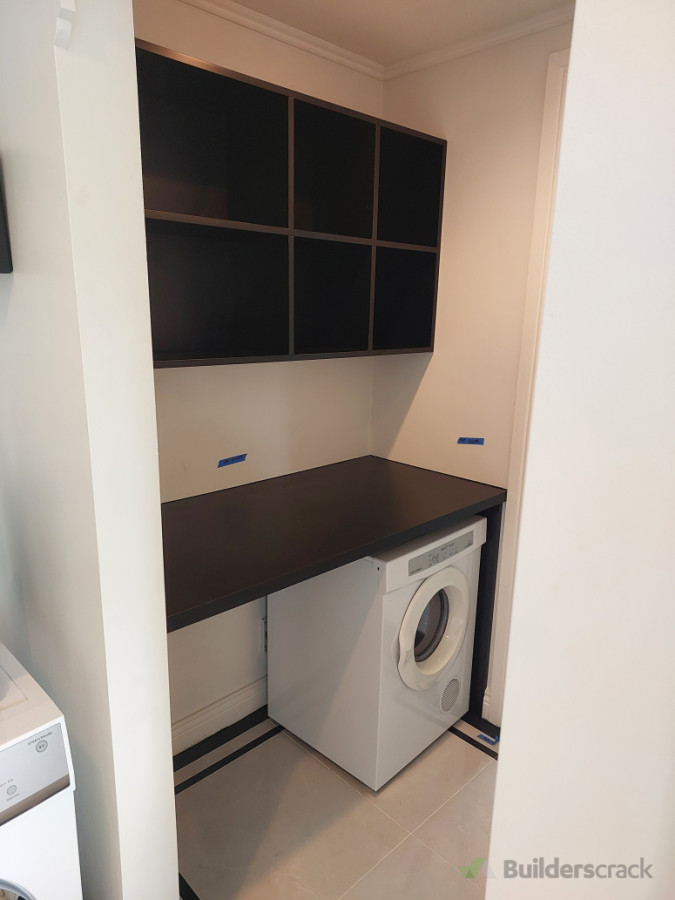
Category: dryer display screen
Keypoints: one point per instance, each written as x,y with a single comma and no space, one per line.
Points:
439,554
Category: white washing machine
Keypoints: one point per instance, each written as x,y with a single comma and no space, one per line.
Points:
39,857
371,662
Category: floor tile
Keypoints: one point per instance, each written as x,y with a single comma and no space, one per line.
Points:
278,809
460,830
425,784
413,872
221,752
258,880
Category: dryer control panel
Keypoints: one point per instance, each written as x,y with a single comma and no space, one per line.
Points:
32,770
439,554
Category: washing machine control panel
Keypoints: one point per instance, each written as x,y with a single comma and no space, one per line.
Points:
31,770
439,554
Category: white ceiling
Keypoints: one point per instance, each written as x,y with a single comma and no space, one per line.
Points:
391,31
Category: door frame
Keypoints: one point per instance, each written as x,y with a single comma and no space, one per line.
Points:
554,100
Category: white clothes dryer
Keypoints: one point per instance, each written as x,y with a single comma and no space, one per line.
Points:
371,662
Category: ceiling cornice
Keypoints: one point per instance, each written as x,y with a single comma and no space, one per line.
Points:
287,34
560,16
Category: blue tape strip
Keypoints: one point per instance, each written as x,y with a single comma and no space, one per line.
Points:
469,440
488,740
231,460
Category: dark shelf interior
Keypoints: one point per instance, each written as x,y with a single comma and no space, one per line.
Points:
405,289
411,180
334,171
212,146
216,292
332,296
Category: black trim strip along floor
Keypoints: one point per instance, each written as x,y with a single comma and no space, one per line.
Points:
206,746
219,738
184,889
474,743
227,759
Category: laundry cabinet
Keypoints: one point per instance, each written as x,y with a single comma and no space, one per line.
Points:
280,226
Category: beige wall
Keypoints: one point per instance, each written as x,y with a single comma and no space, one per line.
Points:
581,775
285,416
81,594
489,107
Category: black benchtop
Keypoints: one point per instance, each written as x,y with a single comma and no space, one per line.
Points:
229,547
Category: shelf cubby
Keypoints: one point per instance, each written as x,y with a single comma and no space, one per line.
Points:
334,167
216,293
410,188
405,288
337,275
212,146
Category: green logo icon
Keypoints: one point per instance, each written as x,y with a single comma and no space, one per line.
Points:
475,867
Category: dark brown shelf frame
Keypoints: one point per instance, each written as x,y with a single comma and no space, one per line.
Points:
417,239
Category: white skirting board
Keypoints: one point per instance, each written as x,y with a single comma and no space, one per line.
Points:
191,729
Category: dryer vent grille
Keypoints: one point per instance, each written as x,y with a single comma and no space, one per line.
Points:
450,695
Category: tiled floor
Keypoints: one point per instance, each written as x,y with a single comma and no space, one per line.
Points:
281,822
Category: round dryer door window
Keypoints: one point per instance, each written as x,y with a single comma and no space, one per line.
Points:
433,629
431,626
13,892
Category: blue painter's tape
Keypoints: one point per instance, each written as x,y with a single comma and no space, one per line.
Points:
488,740
468,440
231,460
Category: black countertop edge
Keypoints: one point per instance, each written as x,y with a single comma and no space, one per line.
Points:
246,595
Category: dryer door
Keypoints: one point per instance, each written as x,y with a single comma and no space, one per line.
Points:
433,628
13,892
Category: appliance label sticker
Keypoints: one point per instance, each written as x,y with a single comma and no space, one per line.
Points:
439,554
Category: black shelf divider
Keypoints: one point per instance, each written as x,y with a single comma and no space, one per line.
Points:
291,226
373,261
210,222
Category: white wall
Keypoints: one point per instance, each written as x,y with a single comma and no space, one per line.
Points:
554,105
586,768
489,107
81,598
285,416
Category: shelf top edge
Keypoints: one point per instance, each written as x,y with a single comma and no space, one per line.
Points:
186,59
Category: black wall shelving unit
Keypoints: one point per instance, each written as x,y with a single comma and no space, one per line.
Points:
280,226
